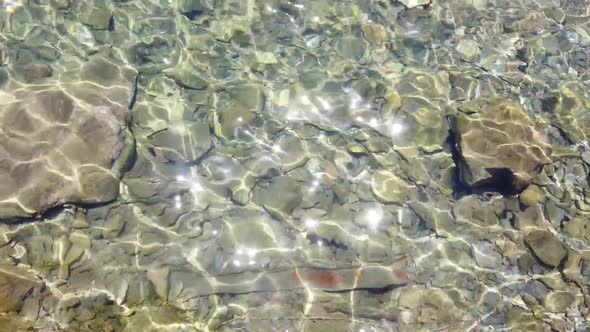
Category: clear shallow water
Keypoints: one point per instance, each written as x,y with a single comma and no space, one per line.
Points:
251,165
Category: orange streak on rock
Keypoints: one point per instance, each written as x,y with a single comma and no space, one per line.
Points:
401,275
321,278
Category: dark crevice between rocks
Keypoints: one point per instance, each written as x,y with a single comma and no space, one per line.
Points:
538,260
459,190
193,14
52,212
134,95
112,23
501,181
370,290
313,238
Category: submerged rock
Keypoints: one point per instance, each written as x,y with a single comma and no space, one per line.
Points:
498,144
546,246
282,196
61,141
388,188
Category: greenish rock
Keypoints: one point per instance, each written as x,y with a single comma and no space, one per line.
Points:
546,246
378,277
568,110
470,210
468,49
578,228
185,144
393,99
240,195
191,8
188,76
266,58
97,184
281,197
356,148
3,55
341,191
520,320
485,255
30,73
113,226
557,14
559,301
249,96
525,263
388,188
350,47
231,120
291,151
234,27
98,18
439,221
532,196
375,33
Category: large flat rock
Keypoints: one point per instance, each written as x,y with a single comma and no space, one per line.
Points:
64,139
498,144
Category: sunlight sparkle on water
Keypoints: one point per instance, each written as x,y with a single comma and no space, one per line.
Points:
396,128
311,223
374,217
325,104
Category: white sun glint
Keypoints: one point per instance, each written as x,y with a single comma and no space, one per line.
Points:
177,202
196,187
316,19
251,253
311,223
325,104
355,99
11,5
374,217
305,100
396,128
248,255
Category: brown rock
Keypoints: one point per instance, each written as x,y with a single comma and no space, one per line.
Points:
60,140
532,196
546,246
498,144
15,285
